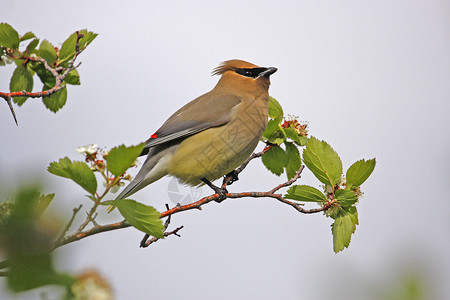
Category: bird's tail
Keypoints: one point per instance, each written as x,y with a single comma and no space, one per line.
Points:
154,167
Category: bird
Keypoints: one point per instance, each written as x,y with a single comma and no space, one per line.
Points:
213,134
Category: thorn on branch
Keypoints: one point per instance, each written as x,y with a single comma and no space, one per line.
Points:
11,108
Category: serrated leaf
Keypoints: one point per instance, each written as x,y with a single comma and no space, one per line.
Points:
345,197
9,37
275,109
142,217
55,101
27,36
120,158
68,47
293,160
297,138
47,51
305,193
21,80
275,160
359,172
292,134
32,45
323,161
77,171
272,126
73,77
343,227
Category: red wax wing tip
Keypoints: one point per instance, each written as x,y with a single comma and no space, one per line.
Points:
153,136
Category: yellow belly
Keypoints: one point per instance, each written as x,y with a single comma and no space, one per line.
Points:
216,151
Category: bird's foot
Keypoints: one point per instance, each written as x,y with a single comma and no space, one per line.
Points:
231,177
222,192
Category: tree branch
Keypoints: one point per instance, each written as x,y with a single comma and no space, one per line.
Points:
81,233
198,205
59,73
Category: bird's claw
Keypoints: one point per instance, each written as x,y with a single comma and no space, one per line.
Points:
222,192
232,177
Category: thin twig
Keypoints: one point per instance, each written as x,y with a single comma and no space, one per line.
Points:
90,217
166,234
289,182
146,236
66,228
94,230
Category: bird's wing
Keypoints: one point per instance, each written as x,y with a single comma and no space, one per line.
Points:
200,114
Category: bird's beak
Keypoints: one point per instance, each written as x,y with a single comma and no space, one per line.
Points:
268,72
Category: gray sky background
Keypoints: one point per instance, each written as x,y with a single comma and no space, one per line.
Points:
372,78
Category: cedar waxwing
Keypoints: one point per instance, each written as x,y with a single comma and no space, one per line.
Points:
212,135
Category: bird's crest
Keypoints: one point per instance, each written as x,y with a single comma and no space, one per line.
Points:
231,65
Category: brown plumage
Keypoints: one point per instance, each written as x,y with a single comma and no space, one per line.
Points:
213,134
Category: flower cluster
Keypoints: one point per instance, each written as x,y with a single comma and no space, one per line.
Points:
96,157
292,122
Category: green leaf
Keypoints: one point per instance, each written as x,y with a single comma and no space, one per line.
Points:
275,110
47,51
73,77
303,140
292,134
297,138
323,161
45,76
305,193
343,227
293,160
32,45
43,203
345,197
28,245
68,47
120,158
27,36
272,126
21,80
77,171
142,217
9,37
275,160
359,172
277,137
55,101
